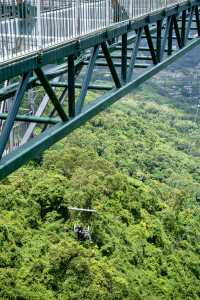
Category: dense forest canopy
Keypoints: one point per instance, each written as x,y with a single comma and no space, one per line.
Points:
138,165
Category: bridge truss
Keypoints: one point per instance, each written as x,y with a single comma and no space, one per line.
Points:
132,51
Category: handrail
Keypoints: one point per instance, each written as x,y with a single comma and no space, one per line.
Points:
27,26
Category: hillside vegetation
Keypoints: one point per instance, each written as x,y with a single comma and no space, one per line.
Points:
138,165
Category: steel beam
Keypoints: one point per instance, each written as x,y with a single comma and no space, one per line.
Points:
52,96
170,37
150,44
79,111
124,57
55,53
111,65
189,23
134,53
159,40
71,87
183,27
197,19
166,33
28,151
13,112
87,78
177,32
31,119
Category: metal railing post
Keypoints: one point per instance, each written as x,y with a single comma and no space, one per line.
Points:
39,26
77,16
107,12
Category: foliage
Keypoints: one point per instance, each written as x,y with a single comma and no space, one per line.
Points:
138,166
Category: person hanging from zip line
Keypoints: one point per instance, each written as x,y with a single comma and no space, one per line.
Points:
26,13
82,233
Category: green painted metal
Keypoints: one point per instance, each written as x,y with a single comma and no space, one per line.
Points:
190,21
13,112
177,32
150,44
50,73
124,57
170,37
128,56
52,96
111,65
134,54
28,151
91,64
118,64
71,87
76,68
95,87
159,39
183,27
165,38
197,19
32,119
53,54
127,63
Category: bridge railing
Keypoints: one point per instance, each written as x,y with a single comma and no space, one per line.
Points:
30,25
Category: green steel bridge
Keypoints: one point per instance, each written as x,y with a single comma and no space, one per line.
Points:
64,48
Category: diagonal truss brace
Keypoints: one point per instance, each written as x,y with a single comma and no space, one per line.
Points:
111,65
150,44
13,112
177,32
52,96
166,33
86,81
189,23
134,54
91,65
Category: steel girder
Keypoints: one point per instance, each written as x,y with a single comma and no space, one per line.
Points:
163,36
